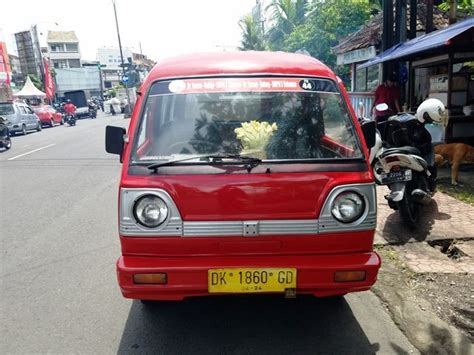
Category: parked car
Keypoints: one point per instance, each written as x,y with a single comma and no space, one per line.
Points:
48,115
21,118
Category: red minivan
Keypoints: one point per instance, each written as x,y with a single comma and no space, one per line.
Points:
244,172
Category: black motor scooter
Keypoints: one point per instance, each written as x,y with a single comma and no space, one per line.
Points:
5,141
70,119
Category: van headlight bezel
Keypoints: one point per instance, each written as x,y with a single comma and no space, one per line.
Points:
150,211
348,206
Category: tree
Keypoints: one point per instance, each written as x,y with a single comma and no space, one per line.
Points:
36,81
465,6
252,36
316,26
286,15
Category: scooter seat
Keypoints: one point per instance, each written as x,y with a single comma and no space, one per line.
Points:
401,150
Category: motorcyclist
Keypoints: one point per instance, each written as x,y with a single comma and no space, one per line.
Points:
5,141
92,108
70,108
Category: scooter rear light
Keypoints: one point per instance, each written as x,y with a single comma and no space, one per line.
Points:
395,168
391,159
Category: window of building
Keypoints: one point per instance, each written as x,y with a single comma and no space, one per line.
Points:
72,47
74,63
361,80
57,47
367,79
60,64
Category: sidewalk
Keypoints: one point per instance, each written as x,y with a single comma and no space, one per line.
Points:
444,218
427,274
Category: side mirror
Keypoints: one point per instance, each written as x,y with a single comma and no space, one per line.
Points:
114,140
369,128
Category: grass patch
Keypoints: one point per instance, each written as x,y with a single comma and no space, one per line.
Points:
462,192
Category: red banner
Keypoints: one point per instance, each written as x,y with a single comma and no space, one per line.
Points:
4,64
48,81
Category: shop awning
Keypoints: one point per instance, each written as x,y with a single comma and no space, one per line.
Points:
422,44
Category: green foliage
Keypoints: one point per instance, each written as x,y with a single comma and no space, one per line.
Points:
36,81
252,37
113,91
315,26
326,23
286,16
465,6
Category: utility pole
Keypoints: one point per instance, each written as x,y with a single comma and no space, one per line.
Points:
127,108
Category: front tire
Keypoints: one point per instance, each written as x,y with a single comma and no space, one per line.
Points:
39,127
23,130
9,144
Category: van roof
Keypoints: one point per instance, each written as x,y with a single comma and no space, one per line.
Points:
238,63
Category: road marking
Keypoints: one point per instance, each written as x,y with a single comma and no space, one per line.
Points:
32,151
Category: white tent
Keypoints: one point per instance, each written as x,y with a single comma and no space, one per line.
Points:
29,90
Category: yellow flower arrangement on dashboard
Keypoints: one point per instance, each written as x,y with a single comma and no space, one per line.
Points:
254,137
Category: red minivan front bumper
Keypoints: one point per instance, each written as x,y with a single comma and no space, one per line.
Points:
188,276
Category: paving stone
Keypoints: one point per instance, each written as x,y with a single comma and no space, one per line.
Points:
467,247
444,218
429,259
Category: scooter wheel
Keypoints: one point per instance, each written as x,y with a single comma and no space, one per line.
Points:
409,211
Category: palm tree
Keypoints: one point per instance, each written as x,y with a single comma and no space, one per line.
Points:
252,37
285,15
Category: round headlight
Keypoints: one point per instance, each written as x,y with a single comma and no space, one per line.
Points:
348,207
150,211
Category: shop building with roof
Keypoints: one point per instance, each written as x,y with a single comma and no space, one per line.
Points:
436,60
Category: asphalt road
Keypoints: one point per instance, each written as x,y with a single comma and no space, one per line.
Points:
58,232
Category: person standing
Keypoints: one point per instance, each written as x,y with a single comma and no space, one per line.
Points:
388,93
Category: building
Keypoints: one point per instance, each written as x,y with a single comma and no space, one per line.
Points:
17,78
435,62
367,42
63,49
143,62
85,79
111,61
29,53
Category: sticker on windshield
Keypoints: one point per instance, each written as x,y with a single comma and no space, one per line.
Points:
216,85
177,86
306,84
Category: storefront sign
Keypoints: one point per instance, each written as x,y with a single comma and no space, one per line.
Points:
358,55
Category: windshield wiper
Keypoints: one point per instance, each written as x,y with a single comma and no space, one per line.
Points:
218,158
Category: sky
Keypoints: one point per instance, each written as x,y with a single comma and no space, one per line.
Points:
164,28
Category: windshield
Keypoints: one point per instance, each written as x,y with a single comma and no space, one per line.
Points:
6,109
267,118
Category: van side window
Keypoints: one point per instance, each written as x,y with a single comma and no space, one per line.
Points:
23,110
143,132
29,110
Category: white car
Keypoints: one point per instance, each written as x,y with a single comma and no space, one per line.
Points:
21,118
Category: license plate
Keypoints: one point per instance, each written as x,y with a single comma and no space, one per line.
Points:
396,176
251,280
